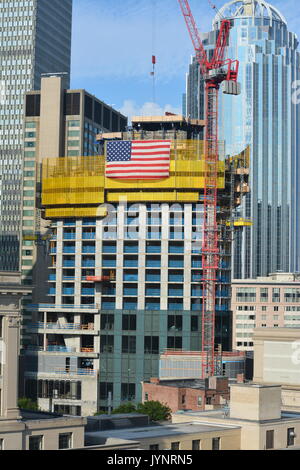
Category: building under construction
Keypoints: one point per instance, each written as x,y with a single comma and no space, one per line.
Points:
125,281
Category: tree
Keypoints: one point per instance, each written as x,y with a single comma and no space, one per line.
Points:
155,410
125,408
28,404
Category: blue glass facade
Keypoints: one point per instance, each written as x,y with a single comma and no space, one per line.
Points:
266,117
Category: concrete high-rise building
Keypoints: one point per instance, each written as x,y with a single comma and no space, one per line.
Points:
35,38
266,117
125,281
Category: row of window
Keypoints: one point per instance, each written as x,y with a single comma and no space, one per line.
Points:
129,322
151,344
196,445
249,294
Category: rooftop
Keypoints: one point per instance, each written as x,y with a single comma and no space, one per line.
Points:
159,431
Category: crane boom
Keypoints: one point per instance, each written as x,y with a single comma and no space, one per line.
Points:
214,73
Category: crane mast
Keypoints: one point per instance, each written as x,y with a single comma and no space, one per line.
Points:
214,73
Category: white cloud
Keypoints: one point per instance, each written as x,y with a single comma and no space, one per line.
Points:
131,108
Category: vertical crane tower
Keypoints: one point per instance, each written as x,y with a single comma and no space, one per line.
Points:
215,72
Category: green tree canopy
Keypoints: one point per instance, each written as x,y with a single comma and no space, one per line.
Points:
125,408
155,410
28,404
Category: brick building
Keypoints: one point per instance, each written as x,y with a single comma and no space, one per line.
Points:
190,394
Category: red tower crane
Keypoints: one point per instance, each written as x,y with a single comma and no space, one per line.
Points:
214,72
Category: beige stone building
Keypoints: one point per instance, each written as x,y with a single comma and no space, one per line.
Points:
265,302
277,360
175,436
19,429
256,410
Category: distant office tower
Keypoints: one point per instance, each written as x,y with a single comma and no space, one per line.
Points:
266,117
35,38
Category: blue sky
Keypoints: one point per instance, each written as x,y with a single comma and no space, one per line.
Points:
113,41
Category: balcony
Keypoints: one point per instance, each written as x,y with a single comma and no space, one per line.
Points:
69,263
128,291
127,249
61,326
196,263
109,249
86,291
176,277
90,372
69,250
69,223
88,263
68,291
130,263
174,263
89,249
69,236
175,292
152,292
153,263
62,349
89,235
109,263
130,277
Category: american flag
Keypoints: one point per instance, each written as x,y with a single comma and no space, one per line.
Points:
138,159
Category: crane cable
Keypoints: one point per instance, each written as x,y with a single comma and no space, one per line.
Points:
153,73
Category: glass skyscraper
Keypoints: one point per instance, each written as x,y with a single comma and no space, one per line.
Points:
265,117
35,38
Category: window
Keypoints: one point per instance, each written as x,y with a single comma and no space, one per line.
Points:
154,447
276,294
146,398
291,436
106,344
183,399
1,444
106,388
174,322
127,391
129,344
246,294
196,445
1,327
129,323
35,442
194,323
175,445
270,439
264,294
216,443
65,441
200,401
151,345
107,322
174,342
